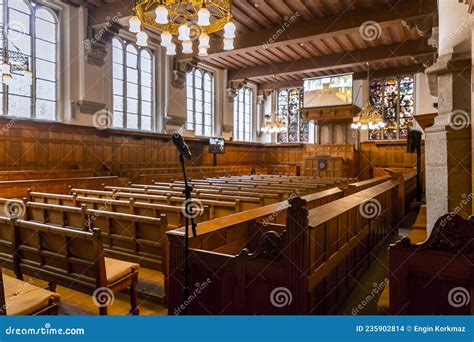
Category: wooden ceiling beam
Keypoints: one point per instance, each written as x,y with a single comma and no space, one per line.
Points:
384,14
380,73
339,60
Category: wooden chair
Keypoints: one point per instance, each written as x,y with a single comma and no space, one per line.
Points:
18,297
71,258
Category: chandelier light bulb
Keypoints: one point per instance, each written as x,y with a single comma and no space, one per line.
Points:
187,46
142,39
166,38
229,30
184,32
161,14
204,41
135,25
171,49
202,52
28,75
228,44
203,17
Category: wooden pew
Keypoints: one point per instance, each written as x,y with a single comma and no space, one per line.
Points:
125,237
175,216
18,297
69,257
316,255
220,204
266,198
362,185
434,277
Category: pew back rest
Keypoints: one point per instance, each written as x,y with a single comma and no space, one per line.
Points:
59,254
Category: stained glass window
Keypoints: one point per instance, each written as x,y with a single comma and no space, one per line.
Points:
33,29
289,102
394,98
242,114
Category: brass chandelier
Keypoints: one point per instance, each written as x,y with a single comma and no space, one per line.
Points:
369,117
186,20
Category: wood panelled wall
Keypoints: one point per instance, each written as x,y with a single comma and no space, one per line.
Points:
28,145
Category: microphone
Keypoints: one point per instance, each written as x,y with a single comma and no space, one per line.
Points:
178,140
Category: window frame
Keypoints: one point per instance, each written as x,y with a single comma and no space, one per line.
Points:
125,43
239,133
55,13
192,125
300,119
383,80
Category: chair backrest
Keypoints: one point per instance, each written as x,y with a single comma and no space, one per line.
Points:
57,214
65,256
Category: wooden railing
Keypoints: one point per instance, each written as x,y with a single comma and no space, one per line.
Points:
314,257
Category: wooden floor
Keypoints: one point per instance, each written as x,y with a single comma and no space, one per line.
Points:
77,303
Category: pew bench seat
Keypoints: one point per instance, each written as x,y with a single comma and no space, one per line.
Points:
24,298
118,269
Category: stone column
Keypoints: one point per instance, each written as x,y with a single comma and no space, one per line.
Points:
448,141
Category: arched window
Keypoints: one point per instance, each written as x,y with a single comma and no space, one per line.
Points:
132,86
289,102
33,29
394,98
243,115
200,101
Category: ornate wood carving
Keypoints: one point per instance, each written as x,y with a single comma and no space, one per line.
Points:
451,233
426,60
269,247
422,23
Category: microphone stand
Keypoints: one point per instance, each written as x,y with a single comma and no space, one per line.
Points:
189,212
